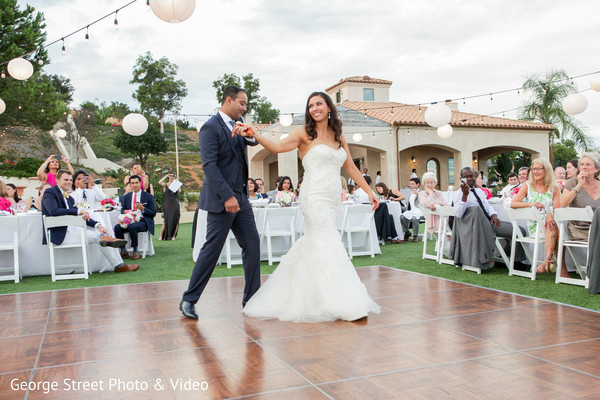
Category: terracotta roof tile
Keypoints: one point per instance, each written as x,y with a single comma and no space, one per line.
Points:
360,79
406,114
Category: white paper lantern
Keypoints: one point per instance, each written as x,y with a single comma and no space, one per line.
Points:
135,124
575,104
444,131
283,136
357,137
286,120
438,115
20,68
173,11
2,106
595,82
61,133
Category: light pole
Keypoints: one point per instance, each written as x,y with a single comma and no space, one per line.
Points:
176,147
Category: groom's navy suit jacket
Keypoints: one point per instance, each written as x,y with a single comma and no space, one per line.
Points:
53,204
225,164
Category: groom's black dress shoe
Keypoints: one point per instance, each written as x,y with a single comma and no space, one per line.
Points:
188,309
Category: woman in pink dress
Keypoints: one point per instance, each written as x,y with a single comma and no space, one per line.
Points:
430,197
46,173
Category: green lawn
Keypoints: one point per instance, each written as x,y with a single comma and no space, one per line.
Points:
173,261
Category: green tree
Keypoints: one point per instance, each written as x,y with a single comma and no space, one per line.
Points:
545,105
508,162
141,147
158,90
563,151
259,107
40,100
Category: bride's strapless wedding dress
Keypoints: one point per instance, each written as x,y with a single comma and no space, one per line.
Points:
315,281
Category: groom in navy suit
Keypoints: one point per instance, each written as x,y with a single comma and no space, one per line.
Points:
224,196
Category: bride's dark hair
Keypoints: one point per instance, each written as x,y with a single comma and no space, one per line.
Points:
334,123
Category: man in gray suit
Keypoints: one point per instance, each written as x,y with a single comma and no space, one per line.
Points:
224,196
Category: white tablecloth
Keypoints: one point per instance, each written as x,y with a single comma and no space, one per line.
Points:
395,210
34,258
280,245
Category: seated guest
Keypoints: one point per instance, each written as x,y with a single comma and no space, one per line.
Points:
57,202
252,195
388,194
13,196
523,175
285,191
560,175
476,226
509,190
36,204
137,199
430,197
541,192
412,215
260,188
271,193
5,202
84,189
47,171
572,168
384,222
479,184
136,169
582,191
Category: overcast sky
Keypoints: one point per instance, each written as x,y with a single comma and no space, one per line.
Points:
431,49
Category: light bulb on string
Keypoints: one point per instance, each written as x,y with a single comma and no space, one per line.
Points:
491,98
87,34
19,107
116,21
3,74
63,50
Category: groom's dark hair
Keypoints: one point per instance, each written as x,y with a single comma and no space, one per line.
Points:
231,91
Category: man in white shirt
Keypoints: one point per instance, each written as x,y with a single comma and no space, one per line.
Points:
359,195
413,214
513,182
84,189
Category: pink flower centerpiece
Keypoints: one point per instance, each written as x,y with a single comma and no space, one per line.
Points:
129,217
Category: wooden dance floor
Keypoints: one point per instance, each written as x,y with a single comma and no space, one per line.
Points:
434,339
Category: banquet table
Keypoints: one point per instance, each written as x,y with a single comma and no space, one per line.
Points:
34,257
280,245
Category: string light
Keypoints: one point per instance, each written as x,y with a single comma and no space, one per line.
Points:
63,50
87,34
116,22
3,74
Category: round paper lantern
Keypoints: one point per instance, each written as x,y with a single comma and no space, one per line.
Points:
20,68
357,137
595,82
286,120
2,106
135,124
173,11
444,131
438,115
575,104
61,133
283,136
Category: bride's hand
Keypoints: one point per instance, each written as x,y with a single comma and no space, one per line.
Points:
374,201
242,129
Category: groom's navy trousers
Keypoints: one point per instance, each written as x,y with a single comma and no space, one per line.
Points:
225,167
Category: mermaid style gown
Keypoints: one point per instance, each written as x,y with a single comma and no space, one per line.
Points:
315,281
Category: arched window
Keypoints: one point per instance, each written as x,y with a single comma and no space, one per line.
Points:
433,166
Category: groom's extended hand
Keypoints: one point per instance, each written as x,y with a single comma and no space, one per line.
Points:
232,205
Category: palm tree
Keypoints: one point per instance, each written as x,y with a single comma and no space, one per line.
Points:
545,105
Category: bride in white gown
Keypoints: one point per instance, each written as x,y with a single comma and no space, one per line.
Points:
315,281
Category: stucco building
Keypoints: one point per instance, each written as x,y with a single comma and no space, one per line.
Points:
394,138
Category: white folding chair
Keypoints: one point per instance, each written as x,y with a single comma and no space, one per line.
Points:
66,220
444,231
279,222
435,235
353,223
562,216
144,242
10,223
528,214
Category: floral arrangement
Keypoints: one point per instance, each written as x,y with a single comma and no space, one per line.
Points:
129,217
285,197
515,191
110,202
488,193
